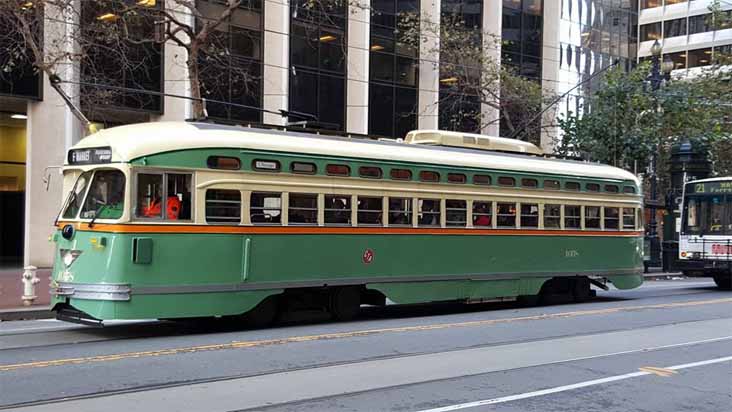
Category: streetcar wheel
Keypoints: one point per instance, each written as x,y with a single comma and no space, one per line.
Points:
581,290
263,314
345,303
723,280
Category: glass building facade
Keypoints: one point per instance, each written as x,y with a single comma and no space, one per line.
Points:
593,35
231,67
460,67
318,62
394,68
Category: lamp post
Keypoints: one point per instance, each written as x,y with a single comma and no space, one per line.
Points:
660,72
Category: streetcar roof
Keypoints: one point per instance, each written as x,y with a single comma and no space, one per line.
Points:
711,179
134,141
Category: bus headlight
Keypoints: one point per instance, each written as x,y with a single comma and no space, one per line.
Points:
68,256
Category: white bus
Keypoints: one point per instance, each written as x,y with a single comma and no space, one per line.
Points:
705,240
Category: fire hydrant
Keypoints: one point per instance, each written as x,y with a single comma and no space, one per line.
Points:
29,280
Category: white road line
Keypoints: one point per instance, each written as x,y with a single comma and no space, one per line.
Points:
565,388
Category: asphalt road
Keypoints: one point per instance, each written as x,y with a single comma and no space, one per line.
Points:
664,347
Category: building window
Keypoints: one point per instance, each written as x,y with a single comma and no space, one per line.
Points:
699,24
18,77
400,211
521,51
223,206
133,62
700,57
394,68
650,31
649,4
337,209
231,65
461,84
317,62
303,209
456,213
675,27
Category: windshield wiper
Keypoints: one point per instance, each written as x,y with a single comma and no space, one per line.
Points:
96,214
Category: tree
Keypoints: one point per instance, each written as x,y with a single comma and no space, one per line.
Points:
625,122
114,42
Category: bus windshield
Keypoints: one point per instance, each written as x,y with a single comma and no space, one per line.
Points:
104,198
708,215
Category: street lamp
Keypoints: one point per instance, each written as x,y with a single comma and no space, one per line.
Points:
660,72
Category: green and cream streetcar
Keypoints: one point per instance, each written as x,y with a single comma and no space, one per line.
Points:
180,220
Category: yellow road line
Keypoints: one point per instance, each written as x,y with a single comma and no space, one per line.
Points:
663,372
343,335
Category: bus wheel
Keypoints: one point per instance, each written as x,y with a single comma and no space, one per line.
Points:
723,280
263,314
345,303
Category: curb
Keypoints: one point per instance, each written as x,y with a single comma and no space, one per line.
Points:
26,313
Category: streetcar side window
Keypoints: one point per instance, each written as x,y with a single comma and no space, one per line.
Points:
574,186
629,189
482,180
337,209
266,208
530,183
551,184
482,214
223,206
529,215
506,214
178,199
149,196
400,211
552,216
370,210
612,218
429,212
506,181
628,218
592,217
303,209
612,188
572,216
592,187
456,178
456,213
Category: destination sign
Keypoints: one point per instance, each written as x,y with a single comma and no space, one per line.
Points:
90,156
709,188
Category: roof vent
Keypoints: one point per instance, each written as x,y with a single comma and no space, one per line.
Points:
471,141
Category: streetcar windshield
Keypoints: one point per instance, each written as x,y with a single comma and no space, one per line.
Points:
97,194
105,198
708,215
76,196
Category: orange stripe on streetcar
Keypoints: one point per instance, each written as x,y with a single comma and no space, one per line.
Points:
209,229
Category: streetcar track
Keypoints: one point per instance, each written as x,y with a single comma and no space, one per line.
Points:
190,382
342,335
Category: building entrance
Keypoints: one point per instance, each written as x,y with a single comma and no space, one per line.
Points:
12,188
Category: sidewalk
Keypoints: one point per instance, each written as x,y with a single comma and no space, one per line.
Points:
11,291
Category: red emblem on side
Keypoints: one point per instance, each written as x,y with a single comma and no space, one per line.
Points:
368,256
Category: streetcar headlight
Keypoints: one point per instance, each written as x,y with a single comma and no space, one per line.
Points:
68,256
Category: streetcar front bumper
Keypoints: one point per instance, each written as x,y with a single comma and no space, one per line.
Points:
92,291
